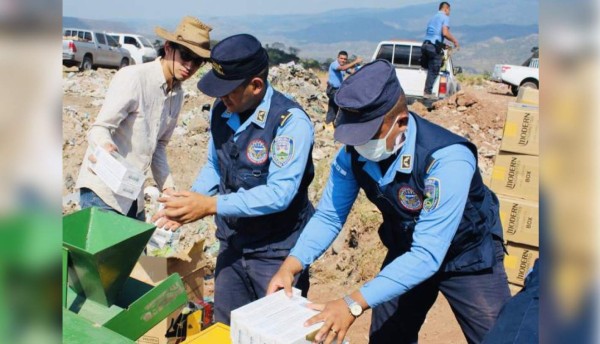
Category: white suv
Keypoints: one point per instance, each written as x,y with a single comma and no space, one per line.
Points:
139,47
406,57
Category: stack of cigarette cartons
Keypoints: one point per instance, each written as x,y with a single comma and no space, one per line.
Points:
273,319
515,180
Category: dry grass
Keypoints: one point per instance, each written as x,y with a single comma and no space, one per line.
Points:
472,79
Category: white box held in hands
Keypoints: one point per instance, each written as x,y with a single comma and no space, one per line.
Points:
273,319
120,176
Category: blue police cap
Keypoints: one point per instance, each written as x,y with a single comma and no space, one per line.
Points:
364,98
235,59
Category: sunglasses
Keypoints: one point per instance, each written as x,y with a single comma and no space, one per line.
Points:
186,56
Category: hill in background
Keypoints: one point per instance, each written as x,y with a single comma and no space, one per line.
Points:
490,32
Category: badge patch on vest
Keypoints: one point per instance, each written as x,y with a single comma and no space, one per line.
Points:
282,149
257,151
409,198
406,161
260,116
432,194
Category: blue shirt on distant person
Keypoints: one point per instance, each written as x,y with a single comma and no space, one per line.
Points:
336,76
435,25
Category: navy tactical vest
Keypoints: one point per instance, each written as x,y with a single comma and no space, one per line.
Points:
245,164
401,202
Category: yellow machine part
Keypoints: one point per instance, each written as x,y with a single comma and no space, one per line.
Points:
193,324
216,334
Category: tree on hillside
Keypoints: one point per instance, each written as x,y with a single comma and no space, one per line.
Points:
278,46
277,56
293,50
310,64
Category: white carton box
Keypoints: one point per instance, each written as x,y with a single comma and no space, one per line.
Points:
120,176
274,319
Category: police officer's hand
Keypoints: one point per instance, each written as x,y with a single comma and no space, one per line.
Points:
185,206
284,278
165,223
336,319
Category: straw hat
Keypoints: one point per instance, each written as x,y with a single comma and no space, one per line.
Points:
191,33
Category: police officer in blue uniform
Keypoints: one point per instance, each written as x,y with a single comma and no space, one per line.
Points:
256,178
440,222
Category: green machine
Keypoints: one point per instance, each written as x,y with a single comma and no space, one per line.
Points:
102,304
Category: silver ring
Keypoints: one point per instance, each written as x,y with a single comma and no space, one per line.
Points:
334,331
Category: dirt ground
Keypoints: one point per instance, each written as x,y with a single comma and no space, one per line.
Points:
478,113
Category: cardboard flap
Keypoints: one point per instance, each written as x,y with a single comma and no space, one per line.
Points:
186,262
153,270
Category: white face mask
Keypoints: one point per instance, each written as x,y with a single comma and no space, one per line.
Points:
376,150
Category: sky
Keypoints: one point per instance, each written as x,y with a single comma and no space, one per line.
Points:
166,9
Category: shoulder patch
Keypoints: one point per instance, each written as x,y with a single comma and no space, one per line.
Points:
409,198
256,152
284,118
432,194
282,150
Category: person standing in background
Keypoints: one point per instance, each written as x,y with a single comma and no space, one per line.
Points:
432,49
336,72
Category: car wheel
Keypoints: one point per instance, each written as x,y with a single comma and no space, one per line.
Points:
87,63
124,63
530,84
514,90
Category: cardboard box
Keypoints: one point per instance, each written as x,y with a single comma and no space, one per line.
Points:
519,262
528,95
521,130
517,176
152,270
520,220
189,265
156,335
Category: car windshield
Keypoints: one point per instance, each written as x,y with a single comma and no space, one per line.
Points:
145,42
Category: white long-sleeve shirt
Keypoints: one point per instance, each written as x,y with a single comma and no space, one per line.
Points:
138,116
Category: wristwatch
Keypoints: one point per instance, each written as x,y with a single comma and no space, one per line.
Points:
353,306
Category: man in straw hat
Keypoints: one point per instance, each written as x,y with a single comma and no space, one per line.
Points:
441,224
256,178
139,114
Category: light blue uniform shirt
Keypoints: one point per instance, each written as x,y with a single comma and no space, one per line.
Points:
434,27
335,76
454,167
282,183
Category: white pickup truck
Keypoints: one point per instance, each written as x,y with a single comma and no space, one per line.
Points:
525,75
88,49
406,57
139,47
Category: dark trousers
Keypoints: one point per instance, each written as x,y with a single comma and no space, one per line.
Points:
88,199
475,299
332,108
243,278
518,321
432,60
